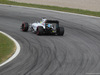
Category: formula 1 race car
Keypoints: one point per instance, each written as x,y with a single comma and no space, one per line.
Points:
44,27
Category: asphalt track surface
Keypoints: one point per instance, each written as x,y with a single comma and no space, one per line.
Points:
75,53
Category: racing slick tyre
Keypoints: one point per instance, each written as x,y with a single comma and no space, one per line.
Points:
25,26
39,30
60,31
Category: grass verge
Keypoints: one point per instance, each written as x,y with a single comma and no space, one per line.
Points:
65,9
7,48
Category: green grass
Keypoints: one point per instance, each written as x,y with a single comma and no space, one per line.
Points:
7,48
65,9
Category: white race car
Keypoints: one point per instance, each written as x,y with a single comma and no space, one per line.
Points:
44,27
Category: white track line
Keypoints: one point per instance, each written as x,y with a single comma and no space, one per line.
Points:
51,11
16,52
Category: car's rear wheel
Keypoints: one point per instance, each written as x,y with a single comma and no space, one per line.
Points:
60,31
25,26
39,30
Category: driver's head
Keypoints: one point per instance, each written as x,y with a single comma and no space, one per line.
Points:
44,19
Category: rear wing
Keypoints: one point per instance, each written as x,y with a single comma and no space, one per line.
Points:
54,22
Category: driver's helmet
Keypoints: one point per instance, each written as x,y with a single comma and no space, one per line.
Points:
43,20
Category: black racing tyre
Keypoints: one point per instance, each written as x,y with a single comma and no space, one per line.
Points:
40,30
25,26
60,31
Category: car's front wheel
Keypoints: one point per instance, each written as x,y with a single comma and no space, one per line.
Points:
25,26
